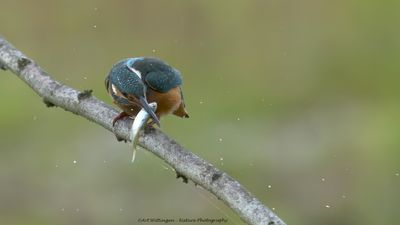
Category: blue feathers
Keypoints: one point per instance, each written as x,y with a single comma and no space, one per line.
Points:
163,81
125,80
157,74
133,76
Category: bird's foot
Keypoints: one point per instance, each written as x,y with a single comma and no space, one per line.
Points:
121,116
151,123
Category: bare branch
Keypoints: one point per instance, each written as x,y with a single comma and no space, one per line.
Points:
249,208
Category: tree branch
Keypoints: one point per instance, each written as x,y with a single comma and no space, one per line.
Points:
249,208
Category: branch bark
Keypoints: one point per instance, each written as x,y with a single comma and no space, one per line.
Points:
54,93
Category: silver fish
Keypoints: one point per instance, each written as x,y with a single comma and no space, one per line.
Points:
140,120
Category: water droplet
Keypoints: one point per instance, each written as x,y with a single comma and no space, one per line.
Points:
322,179
85,78
56,166
94,26
269,186
327,206
273,208
344,196
120,209
77,209
95,8
238,118
74,161
397,174
201,102
220,139
222,159
62,209
153,50
105,161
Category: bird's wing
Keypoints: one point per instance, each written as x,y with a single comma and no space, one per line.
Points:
163,81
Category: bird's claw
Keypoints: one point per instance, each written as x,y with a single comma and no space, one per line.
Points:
119,117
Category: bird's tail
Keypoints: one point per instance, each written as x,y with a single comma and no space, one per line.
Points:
181,111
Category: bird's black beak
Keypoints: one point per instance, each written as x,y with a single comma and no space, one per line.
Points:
145,105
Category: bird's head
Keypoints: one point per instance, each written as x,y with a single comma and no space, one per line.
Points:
126,86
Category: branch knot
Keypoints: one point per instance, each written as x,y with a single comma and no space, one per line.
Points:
84,94
23,62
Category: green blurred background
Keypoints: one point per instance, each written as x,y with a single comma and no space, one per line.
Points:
297,100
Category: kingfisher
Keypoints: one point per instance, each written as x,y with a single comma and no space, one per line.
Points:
134,82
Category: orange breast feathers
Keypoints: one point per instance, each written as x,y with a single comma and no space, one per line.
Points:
168,102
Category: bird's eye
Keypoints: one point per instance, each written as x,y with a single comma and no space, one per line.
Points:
124,94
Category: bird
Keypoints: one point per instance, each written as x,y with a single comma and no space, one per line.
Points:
134,82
